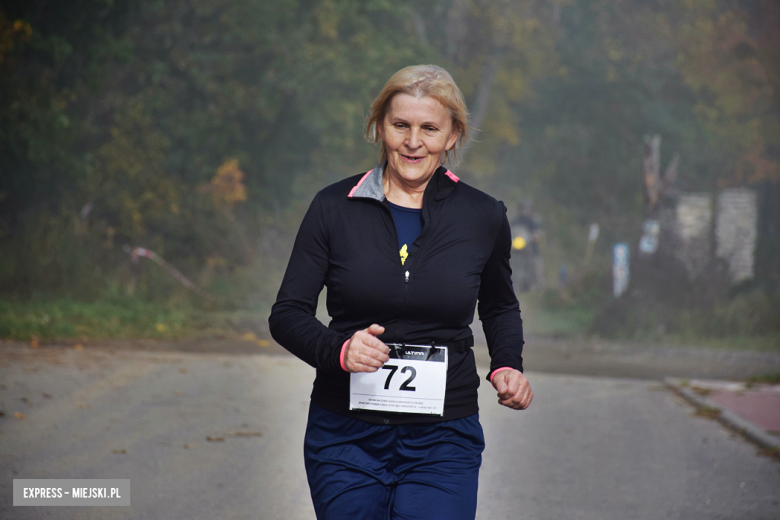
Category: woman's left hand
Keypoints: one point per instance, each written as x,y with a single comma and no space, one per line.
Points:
514,390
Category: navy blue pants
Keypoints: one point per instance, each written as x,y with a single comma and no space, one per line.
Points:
358,470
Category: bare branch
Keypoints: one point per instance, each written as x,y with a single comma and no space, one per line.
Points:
484,87
670,174
419,27
654,185
651,177
456,27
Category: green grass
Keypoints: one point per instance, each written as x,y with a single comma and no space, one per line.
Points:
766,343
570,321
115,318
128,318
772,378
543,317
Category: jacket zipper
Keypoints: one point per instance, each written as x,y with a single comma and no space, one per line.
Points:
407,274
394,238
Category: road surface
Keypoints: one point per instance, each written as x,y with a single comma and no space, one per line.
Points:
590,447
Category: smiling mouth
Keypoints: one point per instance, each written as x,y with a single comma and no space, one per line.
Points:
411,158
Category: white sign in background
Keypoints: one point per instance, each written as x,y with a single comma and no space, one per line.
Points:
414,380
620,268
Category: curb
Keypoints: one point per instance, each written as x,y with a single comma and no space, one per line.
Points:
727,417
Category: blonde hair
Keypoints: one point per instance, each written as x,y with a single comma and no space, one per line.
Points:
421,81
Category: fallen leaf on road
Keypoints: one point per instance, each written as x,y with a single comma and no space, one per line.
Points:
19,415
34,342
183,370
707,412
2,414
234,434
189,446
770,452
119,451
82,406
46,396
249,336
79,346
178,393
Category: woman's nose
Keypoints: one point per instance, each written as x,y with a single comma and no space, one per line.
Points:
414,141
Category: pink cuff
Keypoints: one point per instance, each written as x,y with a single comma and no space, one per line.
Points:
496,371
341,356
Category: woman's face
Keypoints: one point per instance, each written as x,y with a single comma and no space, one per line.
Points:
416,133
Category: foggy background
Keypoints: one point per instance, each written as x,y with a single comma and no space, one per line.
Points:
157,157
200,130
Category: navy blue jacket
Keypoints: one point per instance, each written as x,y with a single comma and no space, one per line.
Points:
347,242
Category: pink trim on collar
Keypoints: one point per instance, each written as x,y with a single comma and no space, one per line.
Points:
356,186
451,176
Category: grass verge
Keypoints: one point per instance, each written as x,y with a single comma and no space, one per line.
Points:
109,319
550,316
567,321
771,378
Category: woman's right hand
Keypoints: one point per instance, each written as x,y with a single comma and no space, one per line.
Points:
365,352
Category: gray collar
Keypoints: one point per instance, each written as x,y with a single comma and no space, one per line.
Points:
370,185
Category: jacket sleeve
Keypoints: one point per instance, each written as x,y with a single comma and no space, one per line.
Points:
293,323
498,307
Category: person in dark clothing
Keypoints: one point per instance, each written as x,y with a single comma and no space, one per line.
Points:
527,269
407,251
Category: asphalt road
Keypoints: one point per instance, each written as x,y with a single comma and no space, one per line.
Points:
590,447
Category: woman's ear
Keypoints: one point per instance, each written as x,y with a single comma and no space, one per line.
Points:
452,140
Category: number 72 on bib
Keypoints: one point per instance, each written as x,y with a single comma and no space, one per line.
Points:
414,380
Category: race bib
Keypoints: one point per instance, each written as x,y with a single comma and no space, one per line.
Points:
414,380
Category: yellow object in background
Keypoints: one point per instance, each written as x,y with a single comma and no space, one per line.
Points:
519,243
